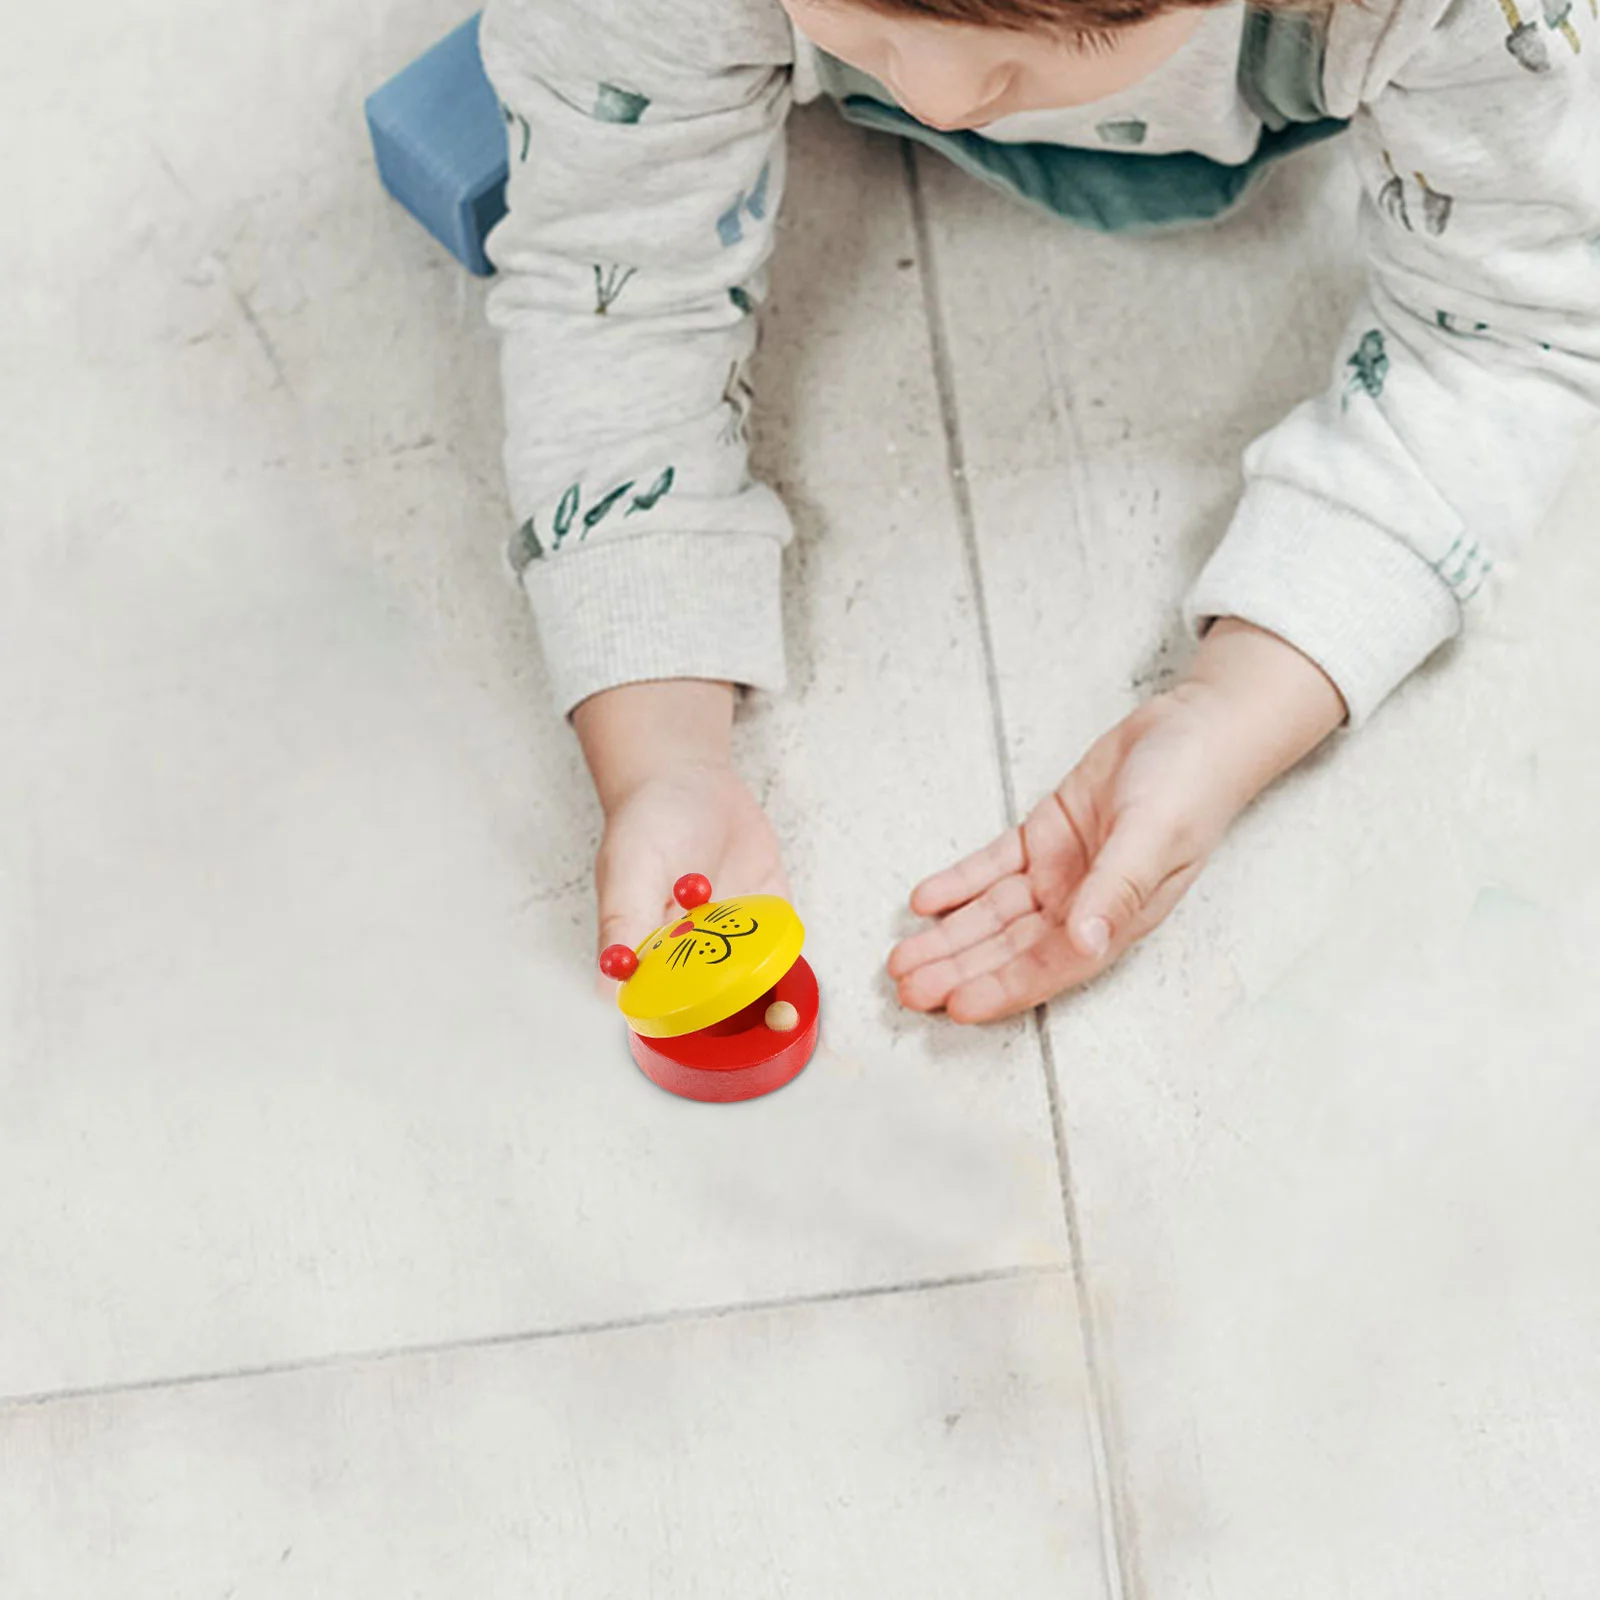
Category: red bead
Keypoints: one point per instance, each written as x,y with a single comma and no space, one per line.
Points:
691,890
619,962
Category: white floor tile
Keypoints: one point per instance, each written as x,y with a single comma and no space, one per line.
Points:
926,1446
299,1052
1331,1129
1062,339
1333,1139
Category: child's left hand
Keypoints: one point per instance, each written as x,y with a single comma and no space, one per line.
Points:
1100,862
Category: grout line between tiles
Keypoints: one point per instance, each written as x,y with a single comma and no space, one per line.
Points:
1114,1536
494,1341
955,452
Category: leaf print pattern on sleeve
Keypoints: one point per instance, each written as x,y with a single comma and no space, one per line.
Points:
622,106
1369,367
1392,196
1436,207
515,120
1451,323
1558,19
730,225
656,493
566,514
598,512
1465,567
526,546
609,282
1125,132
1525,41
756,205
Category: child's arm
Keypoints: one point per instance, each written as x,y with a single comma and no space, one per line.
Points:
1374,518
632,733
1378,519
646,155
646,170
1101,862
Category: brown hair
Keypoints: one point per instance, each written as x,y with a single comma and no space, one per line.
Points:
1053,16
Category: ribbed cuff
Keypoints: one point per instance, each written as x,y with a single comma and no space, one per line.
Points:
663,605
1352,596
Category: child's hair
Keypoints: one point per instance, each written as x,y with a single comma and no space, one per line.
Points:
1052,16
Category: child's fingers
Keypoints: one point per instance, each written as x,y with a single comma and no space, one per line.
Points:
1028,979
969,877
1138,875
930,986
1056,963
1135,869
627,922
996,908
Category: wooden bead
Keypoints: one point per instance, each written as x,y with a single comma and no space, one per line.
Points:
691,890
619,962
741,1060
782,1017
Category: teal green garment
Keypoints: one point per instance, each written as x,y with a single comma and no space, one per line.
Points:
1121,191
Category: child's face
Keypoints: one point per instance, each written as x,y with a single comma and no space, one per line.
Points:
952,75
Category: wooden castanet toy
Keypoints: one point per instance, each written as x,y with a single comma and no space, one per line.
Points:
720,1004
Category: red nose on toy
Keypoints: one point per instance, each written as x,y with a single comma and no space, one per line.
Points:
691,890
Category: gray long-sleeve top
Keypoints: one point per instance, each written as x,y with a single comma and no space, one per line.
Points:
647,165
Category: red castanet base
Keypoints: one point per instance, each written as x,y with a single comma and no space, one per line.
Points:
741,1058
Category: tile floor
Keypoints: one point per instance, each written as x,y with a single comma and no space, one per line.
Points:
345,1254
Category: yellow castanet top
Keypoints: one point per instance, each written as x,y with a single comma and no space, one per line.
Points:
702,967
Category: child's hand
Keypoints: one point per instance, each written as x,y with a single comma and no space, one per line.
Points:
660,755
1100,862
684,819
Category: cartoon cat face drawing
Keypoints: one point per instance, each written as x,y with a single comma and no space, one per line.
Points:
705,936
710,962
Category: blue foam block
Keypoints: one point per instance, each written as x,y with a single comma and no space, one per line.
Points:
440,138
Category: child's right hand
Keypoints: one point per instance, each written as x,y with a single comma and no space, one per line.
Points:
662,764
686,820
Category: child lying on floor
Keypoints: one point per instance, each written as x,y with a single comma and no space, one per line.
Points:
647,165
